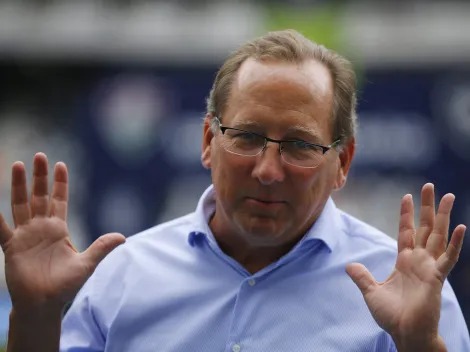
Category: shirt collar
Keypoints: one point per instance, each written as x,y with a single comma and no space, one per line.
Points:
326,229
204,211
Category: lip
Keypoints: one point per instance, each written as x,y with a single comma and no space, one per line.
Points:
264,204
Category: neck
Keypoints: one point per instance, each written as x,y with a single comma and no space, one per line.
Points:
251,256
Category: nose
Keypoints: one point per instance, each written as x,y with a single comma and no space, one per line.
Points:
269,168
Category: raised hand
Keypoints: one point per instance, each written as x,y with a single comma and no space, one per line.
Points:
407,305
42,268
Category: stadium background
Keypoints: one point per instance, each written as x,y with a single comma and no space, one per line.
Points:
117,90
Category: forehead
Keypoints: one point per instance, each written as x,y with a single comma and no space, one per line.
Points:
283,93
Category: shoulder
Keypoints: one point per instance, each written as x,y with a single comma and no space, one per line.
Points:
365,244
154,256
173,231
163,245
358,231
452,325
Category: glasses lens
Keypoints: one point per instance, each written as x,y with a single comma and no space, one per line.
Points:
302,154
242,143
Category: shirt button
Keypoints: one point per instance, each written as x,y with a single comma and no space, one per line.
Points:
252,282
236,348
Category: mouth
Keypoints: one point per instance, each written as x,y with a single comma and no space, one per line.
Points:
267,201
267,204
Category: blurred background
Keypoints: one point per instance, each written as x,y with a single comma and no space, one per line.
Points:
116,89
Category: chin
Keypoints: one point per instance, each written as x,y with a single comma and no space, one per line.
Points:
262,229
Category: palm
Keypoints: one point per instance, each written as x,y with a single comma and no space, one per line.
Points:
41,265
408,302
404,299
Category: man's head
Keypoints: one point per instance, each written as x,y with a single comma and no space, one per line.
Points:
284,87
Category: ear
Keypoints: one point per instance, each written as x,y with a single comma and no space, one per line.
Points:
206,141
346,155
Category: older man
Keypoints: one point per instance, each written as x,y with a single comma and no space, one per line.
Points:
266,260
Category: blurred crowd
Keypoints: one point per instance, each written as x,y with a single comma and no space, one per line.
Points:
116,90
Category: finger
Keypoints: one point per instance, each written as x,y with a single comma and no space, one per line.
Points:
437,241
426,216
40,187
100,249
449,258
361,277
59,199
406,231
5,232
20,208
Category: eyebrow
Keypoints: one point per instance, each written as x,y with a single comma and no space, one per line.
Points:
246,123
306,130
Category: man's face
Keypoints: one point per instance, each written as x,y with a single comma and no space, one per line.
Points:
262,198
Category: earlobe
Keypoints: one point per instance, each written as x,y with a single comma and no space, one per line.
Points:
340,180
206,157
341,176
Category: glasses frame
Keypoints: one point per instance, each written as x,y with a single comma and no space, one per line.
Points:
278,141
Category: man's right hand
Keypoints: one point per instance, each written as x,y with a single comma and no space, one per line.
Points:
42,268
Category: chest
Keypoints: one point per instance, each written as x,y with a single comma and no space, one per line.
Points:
248,315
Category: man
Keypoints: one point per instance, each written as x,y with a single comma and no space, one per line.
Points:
261,264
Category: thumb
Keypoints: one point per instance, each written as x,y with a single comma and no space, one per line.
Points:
101,248
5,232
361,277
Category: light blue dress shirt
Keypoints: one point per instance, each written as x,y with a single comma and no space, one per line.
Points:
171,289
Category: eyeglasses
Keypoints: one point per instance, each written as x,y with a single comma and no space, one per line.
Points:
294,152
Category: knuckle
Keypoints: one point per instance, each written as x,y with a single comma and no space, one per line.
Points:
102,244
426,227
405,228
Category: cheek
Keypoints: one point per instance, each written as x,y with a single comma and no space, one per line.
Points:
231,172
312,186
234,166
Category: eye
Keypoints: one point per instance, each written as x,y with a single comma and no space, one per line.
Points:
245,136
304,145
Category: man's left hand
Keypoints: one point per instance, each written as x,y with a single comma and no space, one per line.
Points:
407,305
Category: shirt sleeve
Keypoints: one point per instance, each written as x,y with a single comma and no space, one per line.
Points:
80,330
452,326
